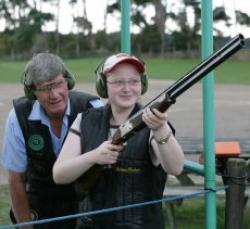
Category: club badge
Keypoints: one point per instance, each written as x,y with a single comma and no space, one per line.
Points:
36,142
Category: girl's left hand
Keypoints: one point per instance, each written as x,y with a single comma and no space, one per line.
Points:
154,119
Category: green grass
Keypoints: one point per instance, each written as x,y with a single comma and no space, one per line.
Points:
4,205
233,72
230,72
188,215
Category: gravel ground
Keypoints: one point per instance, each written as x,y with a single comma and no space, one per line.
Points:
232,108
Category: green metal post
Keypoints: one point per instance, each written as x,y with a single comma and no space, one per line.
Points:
125,26
208,117
194,167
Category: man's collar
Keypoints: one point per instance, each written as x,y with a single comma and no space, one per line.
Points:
38,113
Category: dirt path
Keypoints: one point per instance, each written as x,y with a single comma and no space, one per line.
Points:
232,109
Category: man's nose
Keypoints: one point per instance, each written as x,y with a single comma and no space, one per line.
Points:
53,92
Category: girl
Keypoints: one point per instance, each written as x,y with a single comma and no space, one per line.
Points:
139,167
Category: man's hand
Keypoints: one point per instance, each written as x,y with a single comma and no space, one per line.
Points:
19,198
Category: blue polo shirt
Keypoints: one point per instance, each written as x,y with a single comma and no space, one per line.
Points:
14,155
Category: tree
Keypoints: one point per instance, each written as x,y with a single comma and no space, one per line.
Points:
188,33
139,19
84,27
24,22
160,21
242,18
220,15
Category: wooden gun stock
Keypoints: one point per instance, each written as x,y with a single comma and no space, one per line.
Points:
135,123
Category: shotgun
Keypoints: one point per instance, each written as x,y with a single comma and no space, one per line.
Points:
135,123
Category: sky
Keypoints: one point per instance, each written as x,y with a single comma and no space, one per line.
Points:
96,8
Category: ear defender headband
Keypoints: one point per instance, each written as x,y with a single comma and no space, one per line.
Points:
109,63
29,90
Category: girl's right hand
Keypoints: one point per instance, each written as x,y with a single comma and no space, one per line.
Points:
107,153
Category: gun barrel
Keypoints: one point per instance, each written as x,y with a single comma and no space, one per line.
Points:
209,64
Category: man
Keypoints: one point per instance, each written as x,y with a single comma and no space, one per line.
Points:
35,131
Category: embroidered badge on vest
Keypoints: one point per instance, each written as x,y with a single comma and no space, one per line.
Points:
128,169
36,142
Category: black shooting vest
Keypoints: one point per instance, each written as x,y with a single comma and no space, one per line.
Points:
134,179
40,153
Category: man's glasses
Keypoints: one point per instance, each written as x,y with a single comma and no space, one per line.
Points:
50,87
121,83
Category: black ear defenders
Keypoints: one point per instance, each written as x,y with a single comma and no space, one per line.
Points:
70,79
101,83
29,90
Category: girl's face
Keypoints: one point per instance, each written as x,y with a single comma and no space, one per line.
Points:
124,86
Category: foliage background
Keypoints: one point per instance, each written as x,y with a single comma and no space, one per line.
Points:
24,33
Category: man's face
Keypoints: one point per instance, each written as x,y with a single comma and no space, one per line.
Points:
53,96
